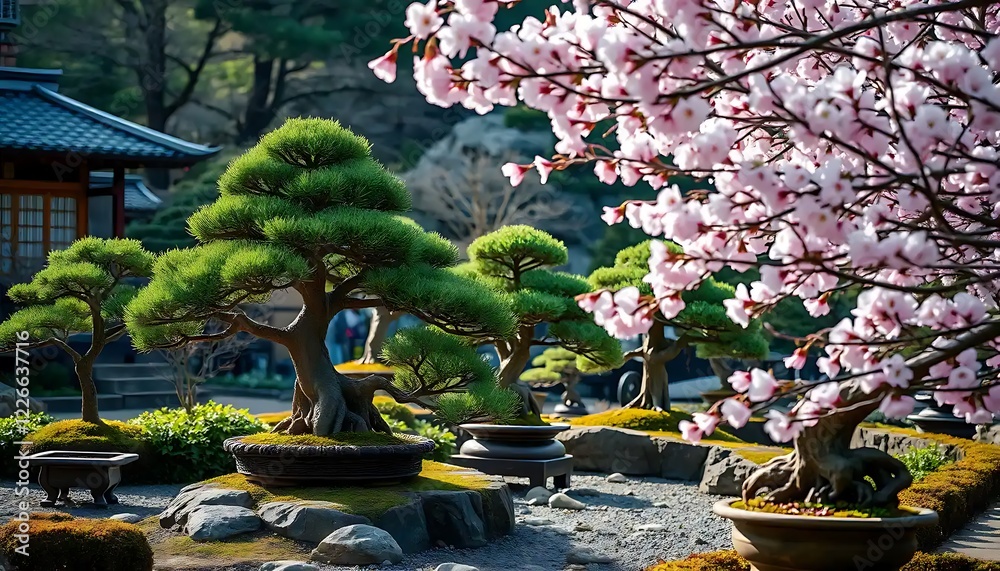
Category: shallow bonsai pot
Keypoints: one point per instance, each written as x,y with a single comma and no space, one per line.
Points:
515,434
932,419
290,465
779,542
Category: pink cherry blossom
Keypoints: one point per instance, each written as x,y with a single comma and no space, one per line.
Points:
797,359
690,431
735,412
384,67
423,19
740,381
762,386
612,215
897,406
780,427
514,172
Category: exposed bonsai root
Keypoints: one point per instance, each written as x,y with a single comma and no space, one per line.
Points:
338,405
825,475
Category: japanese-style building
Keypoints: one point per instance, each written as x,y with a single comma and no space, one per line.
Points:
63,163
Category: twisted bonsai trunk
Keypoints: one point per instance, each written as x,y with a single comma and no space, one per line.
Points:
513,362
378,330
324,401
824,468
656,352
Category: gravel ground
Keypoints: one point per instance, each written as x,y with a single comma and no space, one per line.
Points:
607,527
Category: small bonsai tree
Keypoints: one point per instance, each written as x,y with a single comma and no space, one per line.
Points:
702,324
516,262
309,209
553,367
81,290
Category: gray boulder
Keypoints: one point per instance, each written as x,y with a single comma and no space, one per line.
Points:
725,472
210,523
358,545
605,449
680,460
306,521
407,525
288,566
498,510
195,496
455,518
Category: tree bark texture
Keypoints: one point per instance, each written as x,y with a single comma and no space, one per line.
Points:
657,351
511,367
378,330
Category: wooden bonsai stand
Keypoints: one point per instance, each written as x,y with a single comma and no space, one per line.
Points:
537,471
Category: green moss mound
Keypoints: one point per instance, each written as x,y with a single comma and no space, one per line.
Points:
365,501
647,421
731,561
339,439
61,542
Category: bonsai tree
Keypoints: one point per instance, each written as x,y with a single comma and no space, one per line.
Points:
851,149
516,261
702,323
80,290
309,209
557,366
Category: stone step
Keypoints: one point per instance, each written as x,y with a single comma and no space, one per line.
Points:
130,371
74,404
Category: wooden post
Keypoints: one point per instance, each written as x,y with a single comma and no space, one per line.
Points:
83,202
118,199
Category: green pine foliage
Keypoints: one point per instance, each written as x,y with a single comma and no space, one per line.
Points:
81,289
703,321
517,262
309,209
551,367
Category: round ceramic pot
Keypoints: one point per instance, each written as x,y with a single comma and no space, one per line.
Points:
514,442
286,465
779,542
562,409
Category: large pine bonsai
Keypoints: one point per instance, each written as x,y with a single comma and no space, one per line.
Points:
309,209
516,261
81,290
702,324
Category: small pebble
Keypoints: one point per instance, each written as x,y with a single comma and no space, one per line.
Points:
537,492
536,521
565,502
652,527
583,527
455,567
617,478
586,556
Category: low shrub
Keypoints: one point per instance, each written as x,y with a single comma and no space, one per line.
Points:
956,491
188,445
730,561
398,412
60,542
444,440
922,461
14,429
645,420
255,380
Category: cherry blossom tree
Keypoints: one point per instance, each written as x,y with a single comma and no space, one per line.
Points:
852,146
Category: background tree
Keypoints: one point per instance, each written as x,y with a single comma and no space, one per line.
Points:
309,209
81,290
702,324
194,363
557,366
516,262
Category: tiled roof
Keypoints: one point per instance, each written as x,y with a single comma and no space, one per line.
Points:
39,119
138,197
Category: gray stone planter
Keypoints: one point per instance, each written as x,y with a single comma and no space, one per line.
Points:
513,442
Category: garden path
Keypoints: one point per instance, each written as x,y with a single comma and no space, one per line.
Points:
979,539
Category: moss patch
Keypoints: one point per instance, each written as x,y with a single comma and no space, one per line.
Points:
730,561
338,439
370,502
112,436
656,423
60,541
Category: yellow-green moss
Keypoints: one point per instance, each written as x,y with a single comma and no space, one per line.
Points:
370,502
656,423
760,454
112,436
273,418
338,439
255,548
59,541
731,561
